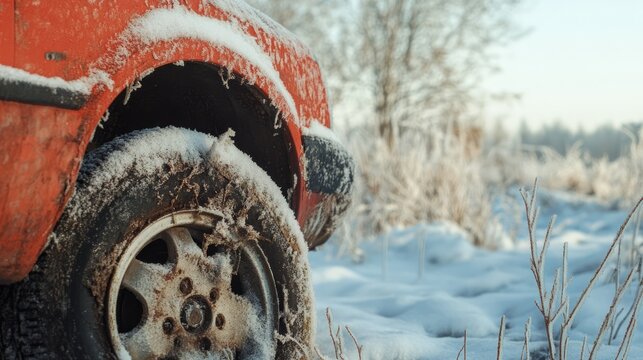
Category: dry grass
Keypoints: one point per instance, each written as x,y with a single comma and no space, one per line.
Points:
336,338
554,304
441,173
613,181
423,177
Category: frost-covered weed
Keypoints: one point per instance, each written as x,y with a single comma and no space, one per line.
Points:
555,305
423,177
615,181
336,337
440,175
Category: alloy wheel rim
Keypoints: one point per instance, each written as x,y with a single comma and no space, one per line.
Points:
181,288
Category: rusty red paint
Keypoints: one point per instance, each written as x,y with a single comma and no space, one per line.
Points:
41,147
6,31
39,152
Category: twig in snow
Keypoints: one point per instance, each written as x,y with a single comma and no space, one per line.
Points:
633,252
319,354
567,322
463,349
627,337
629,311
600,268
615,328
357,345
545,304
609,316
582,348
501,335
336,345
617,283
564,299
336,338
340,342
524,355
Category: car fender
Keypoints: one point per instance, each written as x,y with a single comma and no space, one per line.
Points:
56,137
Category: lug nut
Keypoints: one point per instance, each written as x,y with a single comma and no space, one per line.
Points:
219,321
185,286
214,295
205,344
168,326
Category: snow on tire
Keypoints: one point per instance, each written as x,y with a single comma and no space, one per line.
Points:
174,245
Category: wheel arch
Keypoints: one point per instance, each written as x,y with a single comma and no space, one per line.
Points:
271,77
208,98
83,124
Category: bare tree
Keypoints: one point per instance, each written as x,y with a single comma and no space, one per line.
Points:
426,57
421,60
397,65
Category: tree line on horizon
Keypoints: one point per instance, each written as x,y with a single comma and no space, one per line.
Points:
606,141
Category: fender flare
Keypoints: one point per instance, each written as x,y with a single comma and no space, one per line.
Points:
109,75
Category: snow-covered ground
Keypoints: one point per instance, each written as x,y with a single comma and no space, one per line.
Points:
402,315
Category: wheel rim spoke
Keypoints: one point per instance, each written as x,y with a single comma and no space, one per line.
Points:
146,341
221,265
182,246
143,279
230,324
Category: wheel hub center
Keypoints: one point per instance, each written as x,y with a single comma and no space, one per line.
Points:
196,314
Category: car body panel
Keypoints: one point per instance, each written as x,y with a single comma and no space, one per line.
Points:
92,42
7,13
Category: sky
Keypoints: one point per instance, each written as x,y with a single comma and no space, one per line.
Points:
580,63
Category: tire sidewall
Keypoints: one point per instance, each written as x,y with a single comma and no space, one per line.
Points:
100,222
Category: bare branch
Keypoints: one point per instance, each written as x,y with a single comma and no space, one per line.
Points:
564,301
629,311
634,236
336,345
600,268
582,348
545,303
501,335
625,344
524,355
608,317
357,345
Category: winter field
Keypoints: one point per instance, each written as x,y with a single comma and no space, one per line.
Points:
417,290
439,256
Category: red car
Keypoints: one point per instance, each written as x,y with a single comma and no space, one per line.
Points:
125,235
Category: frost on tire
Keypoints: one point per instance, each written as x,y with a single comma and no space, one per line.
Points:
174,245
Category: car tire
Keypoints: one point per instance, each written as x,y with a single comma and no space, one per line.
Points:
174,244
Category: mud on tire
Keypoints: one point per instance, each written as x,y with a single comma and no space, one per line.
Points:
60,310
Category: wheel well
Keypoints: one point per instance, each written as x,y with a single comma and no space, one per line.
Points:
194,95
